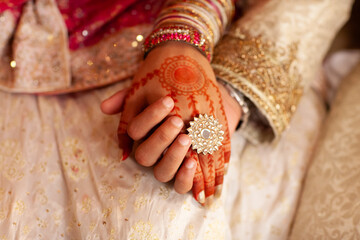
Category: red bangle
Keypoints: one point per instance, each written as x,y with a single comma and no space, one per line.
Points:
180,33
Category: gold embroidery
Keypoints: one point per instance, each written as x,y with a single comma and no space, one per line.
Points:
172,215
140,202
41,196
191,234
264,72
26,230
86,204
12,163
41,49
75,158
215,230
137,180
142,230
20,207
2,215
113,59
122,204
164,192
106,212
41,223
3,237
2,194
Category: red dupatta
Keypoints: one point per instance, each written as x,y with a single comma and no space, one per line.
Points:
88,21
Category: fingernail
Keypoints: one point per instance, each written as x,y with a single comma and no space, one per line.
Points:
183,140
201,197
190,164
168,102
209,200
125,144
177,122
226,167
218,191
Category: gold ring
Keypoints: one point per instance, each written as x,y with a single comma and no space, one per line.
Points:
206,134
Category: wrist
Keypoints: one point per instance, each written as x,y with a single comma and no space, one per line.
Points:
172,48
233,109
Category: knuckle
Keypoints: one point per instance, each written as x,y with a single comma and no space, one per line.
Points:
160,176
132,131
163,135
171,156
152,113
141,157
182,186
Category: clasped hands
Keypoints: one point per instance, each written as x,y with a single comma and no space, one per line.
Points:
175,84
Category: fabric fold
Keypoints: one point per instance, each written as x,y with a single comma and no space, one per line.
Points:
274,52
40,49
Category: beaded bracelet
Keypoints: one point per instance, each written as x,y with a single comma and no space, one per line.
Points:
183,20
211,24
180,33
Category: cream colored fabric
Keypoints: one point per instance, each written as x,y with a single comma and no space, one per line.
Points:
60,175
329,206
61,178
275,51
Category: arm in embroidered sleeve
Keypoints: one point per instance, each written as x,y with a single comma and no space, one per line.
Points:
273,52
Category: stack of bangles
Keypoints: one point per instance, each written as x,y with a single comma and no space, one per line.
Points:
199,23
179,33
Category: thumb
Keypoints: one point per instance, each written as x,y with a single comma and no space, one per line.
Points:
114,104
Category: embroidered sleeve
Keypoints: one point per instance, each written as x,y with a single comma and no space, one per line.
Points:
273,52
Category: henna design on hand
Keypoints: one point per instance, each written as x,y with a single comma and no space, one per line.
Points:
186,82
183,75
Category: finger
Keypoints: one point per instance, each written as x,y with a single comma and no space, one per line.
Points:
198,183
226,142
134,103
185,176
149,118
219,172
115,103
207,163
151,149
166,169
221,115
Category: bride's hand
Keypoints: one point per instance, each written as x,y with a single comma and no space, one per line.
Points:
181,72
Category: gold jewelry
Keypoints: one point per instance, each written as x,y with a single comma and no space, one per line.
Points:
240,98
206,134
181,33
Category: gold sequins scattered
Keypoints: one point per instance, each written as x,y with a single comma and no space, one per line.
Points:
85,33
139,38
134,44
13,64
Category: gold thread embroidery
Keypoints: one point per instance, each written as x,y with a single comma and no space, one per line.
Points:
264,72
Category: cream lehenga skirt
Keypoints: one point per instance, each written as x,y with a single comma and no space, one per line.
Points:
61,177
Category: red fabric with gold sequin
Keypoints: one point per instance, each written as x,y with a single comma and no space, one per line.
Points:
88,21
